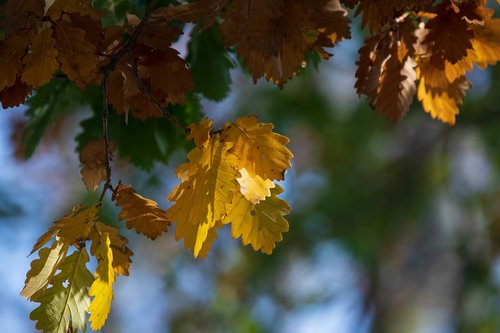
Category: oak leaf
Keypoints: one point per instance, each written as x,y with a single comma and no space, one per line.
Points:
449,35
20,14
44,268
259,150
40,64
274,37
72,228
121,253
76,54
202,197
16,94
63,306
254,188
486,42
93,158
102,287
12,51
82,7
259,225
167,73
141,214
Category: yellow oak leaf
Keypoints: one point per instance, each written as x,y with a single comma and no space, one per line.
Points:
259,225
486,42
121,253
102,287
63,306
442,104
141,214
200,132
254,188
201,199
93,158
259,150
71,229
43,269
40,64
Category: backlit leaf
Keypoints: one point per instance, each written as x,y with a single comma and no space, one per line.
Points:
201,198
259,225
259,150
141,214
102,287
44,268
63,306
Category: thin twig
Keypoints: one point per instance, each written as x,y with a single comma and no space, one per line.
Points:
105,135
106,71
170,117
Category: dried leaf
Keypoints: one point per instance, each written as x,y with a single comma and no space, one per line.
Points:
93,158
40,64
141,214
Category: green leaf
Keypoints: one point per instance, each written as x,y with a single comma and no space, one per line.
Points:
43,269
143,142
63,306
49,103
209,63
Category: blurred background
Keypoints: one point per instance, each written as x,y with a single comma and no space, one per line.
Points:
395,227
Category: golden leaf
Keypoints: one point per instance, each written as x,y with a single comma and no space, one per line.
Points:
201,199
259,150
254,188
141,214
102,287
259,225
200,132
118,243
72,228
486,42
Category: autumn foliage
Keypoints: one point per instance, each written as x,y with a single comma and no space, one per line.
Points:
423,48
